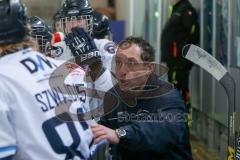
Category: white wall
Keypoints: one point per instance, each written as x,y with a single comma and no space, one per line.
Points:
139,17
99,3
47,8
123,12
42,8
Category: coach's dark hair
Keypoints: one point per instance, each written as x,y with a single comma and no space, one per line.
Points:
148,53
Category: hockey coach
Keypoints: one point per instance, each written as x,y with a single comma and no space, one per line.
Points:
149,120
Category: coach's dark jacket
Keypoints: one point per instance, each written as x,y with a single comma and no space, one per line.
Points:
157,129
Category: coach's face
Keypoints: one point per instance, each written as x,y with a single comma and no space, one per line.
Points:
131,71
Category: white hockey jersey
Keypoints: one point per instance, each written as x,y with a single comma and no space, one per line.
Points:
106,48
30,129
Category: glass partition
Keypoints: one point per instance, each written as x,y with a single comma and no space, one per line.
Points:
235,56
139,20
208,27
222,31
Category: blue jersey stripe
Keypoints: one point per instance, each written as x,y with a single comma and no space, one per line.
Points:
9,148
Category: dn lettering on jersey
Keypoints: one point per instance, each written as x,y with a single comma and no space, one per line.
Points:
37,63
49,99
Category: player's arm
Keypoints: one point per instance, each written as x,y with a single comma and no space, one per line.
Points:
7,134
107,49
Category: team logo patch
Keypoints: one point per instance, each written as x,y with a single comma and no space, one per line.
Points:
59,51
110,47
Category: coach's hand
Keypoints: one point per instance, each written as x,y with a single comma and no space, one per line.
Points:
101,132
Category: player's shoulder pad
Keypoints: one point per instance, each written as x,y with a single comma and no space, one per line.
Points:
105,82
105,45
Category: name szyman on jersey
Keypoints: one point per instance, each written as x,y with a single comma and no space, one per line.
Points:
30,128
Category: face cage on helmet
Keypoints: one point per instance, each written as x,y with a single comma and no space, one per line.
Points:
43,43
67,23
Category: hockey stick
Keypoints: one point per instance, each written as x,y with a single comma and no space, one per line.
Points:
237,151
202,58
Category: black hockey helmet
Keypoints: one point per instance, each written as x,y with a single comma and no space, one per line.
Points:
57,20
41,32
59,14
77,8
101,27
75,13
13,20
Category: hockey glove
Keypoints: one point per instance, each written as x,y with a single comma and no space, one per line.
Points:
82,47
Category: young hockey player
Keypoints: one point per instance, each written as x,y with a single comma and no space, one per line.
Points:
30,95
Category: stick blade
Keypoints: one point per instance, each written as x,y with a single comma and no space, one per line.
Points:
202,58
